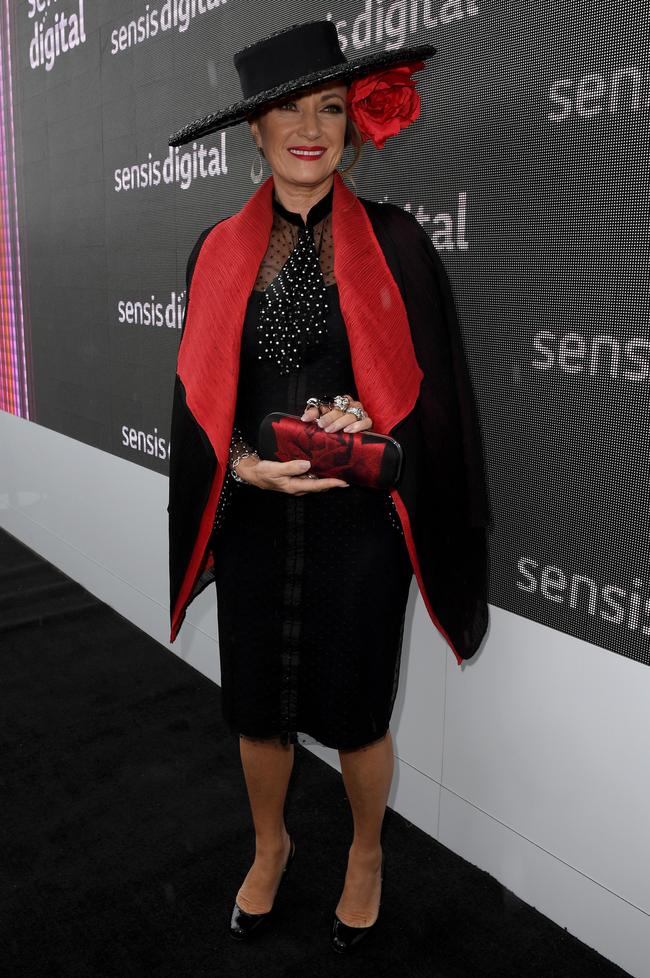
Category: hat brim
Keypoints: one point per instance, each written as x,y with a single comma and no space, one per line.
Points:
239,111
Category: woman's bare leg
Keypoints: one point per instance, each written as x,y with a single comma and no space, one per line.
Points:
267,768
367,775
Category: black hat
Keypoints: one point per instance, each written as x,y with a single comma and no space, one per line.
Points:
287,61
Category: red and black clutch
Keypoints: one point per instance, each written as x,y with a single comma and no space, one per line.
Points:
362,458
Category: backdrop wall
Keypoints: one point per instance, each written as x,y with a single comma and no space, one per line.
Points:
528,168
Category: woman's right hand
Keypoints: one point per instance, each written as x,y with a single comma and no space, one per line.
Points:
288,477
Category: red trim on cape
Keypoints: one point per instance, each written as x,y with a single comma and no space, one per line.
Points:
415,563
385,367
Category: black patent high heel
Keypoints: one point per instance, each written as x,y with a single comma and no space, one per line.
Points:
242,924
343,936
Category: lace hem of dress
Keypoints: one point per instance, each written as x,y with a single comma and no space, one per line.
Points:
305,740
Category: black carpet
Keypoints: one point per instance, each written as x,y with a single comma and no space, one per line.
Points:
126,833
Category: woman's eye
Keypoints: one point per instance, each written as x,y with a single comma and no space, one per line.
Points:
332,105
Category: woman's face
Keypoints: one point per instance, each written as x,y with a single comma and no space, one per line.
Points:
316,119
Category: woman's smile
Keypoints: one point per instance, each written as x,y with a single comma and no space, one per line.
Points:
307,152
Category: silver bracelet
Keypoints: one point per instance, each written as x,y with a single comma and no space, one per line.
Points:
236,461
238,449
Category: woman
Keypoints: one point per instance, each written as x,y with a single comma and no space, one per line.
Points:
317,303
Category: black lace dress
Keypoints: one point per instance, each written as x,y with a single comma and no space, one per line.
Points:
311,589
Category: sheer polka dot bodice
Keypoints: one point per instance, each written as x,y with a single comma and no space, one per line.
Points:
292,286
291,318
284,238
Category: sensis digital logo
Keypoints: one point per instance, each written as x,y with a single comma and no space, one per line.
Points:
152,312
447,229
56,31
146,442
627,607
394,24
181,166
595,94
603,355
170,15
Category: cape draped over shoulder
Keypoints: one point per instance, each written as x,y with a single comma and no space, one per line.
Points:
410,374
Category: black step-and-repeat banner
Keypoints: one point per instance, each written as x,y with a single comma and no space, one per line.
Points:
528,167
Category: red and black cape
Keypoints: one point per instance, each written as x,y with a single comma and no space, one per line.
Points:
411,377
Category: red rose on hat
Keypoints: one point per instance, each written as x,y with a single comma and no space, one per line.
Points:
384,102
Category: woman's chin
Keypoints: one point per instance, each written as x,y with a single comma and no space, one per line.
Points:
308,171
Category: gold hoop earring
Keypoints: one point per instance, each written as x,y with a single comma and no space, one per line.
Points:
256,175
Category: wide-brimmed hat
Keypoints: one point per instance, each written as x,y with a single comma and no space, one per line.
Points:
288,61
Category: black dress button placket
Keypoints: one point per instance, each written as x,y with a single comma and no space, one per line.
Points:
293,317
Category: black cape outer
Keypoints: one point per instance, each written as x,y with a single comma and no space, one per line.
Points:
442,484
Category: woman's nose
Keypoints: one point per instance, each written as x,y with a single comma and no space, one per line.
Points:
309,124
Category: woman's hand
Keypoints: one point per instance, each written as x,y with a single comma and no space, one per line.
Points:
335,420
293,477
288,477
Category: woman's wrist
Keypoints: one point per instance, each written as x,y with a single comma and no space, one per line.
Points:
238,451
245,461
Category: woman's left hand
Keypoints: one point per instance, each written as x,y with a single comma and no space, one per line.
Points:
334,420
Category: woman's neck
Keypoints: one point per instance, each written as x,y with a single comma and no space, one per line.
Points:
299,201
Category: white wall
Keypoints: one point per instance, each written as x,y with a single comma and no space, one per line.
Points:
531,761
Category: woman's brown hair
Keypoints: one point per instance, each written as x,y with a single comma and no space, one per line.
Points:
352,138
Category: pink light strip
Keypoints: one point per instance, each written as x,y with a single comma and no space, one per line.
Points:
14,390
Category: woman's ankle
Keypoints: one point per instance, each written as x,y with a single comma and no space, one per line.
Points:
365,852
273,844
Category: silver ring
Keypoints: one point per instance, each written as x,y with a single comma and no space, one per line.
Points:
317,402
359,413
341,401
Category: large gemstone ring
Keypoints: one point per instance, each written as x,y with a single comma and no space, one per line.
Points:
359,413
341,401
